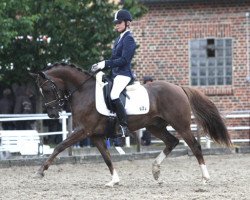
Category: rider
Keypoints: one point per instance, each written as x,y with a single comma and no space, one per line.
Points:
120,64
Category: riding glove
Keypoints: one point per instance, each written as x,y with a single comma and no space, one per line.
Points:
98,66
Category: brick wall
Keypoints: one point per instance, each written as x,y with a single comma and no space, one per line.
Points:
163,36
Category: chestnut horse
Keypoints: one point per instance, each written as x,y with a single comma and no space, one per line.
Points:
169,105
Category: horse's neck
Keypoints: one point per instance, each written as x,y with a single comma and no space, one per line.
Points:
80,84
73,77
82,100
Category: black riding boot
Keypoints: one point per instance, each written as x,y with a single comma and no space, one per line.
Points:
122,116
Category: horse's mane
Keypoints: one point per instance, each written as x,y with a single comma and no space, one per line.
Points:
63,64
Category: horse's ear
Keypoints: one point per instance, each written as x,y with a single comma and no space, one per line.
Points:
42,75
34,75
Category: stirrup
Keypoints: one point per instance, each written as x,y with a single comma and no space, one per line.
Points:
125,131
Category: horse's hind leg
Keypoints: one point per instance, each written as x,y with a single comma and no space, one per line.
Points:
170,142
100,143
196,149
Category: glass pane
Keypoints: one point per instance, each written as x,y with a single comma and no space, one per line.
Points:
203,62
211,81
194,81
203,44
220,81
203,81
228,61
211,71
219,43
194,71
202,71
228,80
194,53
220,72
228,42
211,62
193,63
220,62
194,44
219,53
203,53
229,52
228,71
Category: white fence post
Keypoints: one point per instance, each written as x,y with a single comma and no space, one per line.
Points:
127,141
64,125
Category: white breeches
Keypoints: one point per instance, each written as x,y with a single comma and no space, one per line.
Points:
120,82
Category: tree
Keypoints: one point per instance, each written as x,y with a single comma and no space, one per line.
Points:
41,32
35,33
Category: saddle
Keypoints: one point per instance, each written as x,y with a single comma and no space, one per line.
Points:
107,89
135,98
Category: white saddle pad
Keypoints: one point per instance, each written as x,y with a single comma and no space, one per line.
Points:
136,104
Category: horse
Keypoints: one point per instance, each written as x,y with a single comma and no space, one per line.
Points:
169,105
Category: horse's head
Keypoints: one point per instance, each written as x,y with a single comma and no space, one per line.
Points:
53,93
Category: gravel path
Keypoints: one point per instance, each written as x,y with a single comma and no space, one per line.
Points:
180,179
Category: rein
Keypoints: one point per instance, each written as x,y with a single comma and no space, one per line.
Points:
71,93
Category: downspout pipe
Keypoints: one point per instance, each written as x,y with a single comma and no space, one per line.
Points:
248,45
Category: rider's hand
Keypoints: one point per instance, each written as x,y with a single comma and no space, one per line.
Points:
98,66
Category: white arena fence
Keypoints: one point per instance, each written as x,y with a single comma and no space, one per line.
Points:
233,115
14,141
66,121
64,117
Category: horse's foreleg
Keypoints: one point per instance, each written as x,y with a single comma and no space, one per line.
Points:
196,149
72,139
100,143
170,142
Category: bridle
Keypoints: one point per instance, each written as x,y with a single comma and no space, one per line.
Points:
60,97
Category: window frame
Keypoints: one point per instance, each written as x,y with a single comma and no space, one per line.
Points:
202,53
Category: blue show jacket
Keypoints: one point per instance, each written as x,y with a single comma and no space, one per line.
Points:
122,54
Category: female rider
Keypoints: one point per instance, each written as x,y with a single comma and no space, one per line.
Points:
120,64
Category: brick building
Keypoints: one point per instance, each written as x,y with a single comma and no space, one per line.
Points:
199,43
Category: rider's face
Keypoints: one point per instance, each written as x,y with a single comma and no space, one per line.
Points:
120,26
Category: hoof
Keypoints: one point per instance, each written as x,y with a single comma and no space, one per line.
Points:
205,180
156,170
38,175
111,184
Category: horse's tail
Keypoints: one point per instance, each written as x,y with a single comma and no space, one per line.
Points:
207,116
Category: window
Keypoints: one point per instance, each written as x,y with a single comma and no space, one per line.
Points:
211,62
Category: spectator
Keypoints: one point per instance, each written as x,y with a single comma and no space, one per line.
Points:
147,79
146,138
53,125
31,94
23,105
85,143
7,107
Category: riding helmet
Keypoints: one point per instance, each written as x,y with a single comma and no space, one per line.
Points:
122,15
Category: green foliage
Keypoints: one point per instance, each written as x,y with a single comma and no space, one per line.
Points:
35,33
135,7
